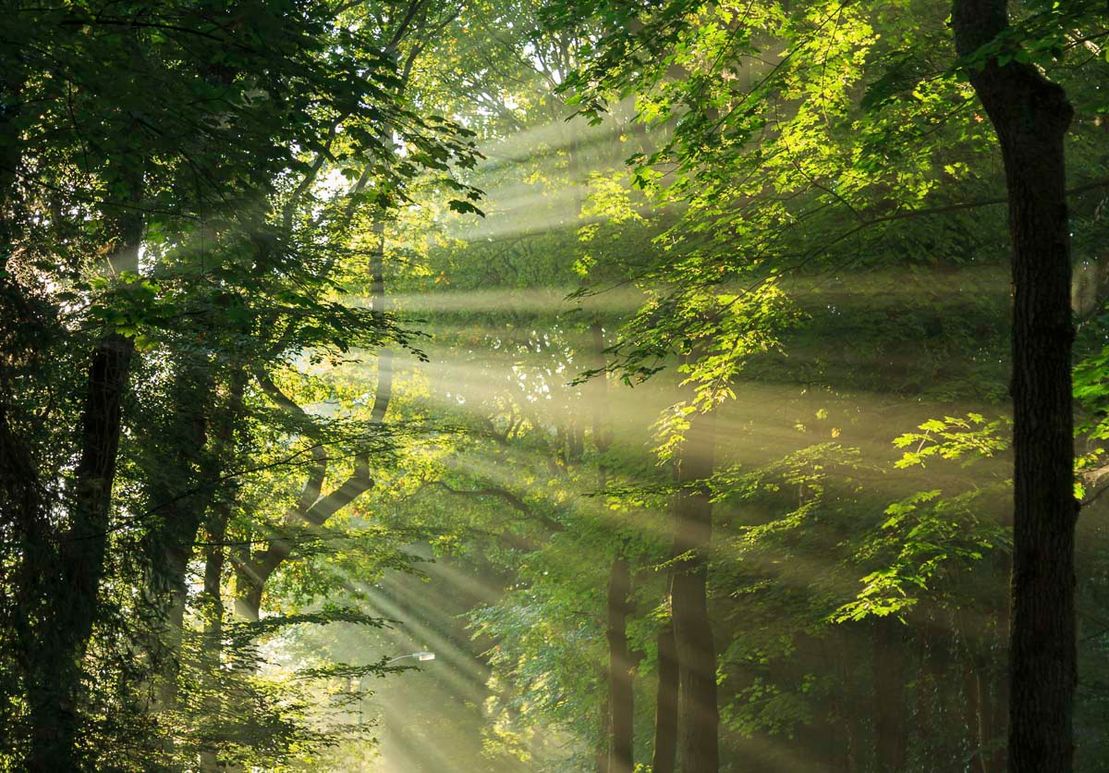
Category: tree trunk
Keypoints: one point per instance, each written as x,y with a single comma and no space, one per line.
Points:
313,509
73,596
1030,116
221,504
212,609
178,498
972,719
620,673
889,694
621,668
692,509
666,703
71,591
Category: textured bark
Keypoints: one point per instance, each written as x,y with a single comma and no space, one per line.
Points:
666,703
1030,116
697,710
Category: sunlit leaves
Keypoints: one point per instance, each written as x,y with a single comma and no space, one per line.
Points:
931,537
970,439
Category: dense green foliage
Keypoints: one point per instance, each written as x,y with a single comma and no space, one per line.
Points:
649,362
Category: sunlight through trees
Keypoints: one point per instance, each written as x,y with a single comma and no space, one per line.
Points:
600,385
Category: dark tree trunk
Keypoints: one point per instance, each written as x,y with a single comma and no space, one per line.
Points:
975,633
889,693
620,670
666,703
71,591
1030,116
221,504
972,707
73,597
178,498
212,652
215,553
697,709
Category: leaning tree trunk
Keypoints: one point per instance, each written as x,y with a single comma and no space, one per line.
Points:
313,508
697,709
74,597
1030,116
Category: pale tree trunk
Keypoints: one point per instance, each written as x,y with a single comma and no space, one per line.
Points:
178,499
697,710
313,507
217,518
621,667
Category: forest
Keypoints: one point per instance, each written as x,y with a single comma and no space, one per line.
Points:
623,386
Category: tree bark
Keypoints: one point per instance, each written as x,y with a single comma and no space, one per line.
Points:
666,703
1031,116
697,709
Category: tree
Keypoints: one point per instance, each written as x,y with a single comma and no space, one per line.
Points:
1031,116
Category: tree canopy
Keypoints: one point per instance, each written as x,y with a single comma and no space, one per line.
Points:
591,385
